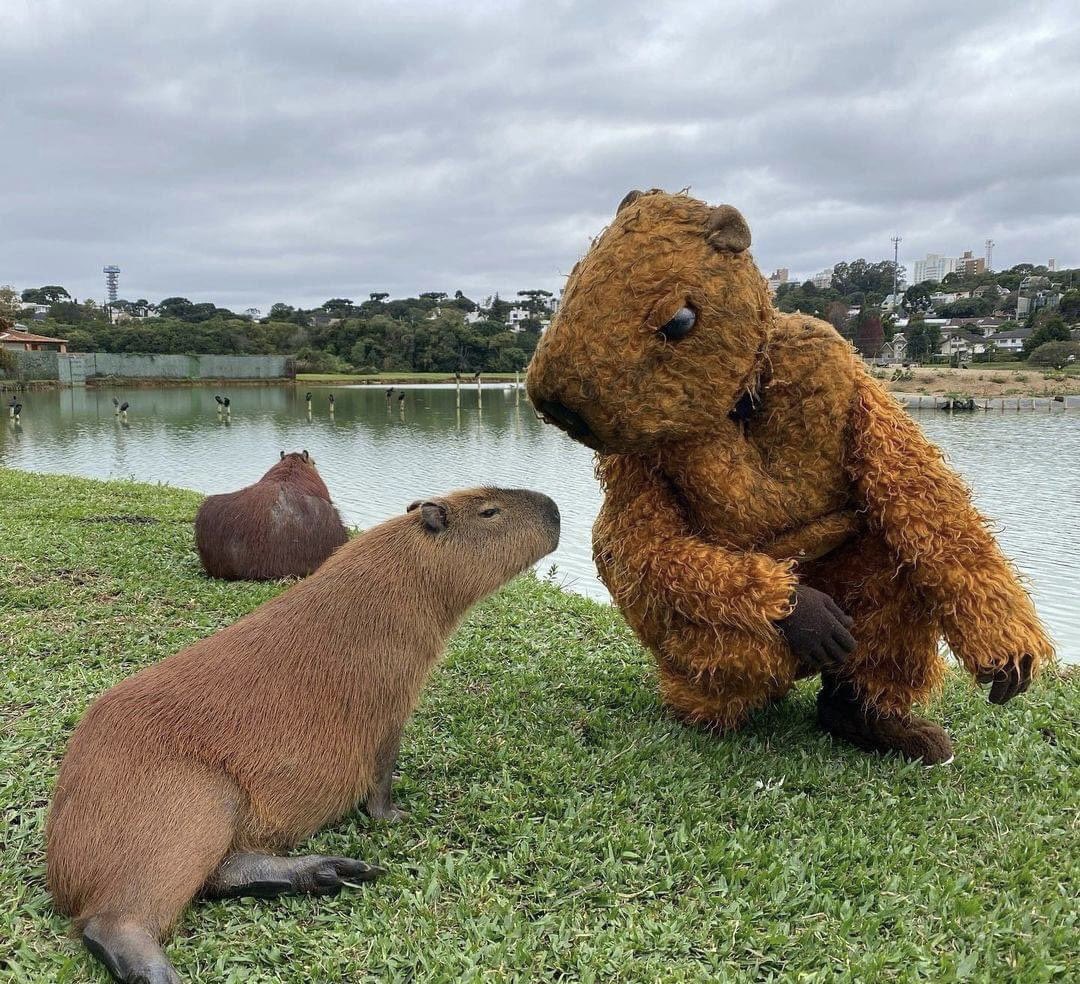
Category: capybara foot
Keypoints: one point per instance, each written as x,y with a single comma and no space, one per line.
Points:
386,812
844,716
129,950
267,876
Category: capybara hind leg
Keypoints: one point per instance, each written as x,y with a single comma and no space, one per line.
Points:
129,949
267,875
844,715
380,804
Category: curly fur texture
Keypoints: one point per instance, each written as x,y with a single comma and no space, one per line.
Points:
710,520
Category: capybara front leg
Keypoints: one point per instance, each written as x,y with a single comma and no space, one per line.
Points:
267,876
380,804
129,949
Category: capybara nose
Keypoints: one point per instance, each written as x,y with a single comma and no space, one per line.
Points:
548,512
562,416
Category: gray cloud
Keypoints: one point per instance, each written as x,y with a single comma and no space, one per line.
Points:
252,152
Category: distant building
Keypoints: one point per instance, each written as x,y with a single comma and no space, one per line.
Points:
970,265
933,269
1051,265
777,278
20,339
960,343
823,279
1009,341
1036,300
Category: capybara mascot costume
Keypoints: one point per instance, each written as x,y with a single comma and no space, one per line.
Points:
770,511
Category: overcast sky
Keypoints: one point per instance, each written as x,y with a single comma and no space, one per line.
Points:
250,152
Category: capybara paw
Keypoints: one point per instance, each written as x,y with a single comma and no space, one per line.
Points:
1012,679
387,814
330,875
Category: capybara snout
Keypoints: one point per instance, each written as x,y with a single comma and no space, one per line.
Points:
490,532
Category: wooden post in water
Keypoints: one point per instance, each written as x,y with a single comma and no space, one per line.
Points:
479,393
457,389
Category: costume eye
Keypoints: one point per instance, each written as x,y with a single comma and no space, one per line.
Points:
679,326
488,513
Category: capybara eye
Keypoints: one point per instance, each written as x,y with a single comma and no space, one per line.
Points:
679,326
488,513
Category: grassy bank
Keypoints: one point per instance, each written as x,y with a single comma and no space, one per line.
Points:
987,381
562,827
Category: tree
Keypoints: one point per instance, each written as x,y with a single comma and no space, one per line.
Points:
1056,354
10,307
869,334
52,294
923,340
378,296
836,313
1069,306
859,276
967,307
1053,329
917,299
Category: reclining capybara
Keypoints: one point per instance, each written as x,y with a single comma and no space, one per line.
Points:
282,526
188,778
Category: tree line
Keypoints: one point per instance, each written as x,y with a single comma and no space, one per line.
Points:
427,333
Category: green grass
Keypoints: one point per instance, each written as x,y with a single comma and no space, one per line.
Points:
562,826
400,377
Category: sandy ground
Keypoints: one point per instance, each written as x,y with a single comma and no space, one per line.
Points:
983,382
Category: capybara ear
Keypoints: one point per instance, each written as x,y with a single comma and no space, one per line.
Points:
282,455
413,506
727,230
629,199
435,516
307,457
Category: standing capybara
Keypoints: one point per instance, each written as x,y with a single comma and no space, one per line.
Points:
189,777
282,526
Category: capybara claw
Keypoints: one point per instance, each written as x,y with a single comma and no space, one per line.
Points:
334,874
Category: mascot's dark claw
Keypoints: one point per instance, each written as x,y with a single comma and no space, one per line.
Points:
1006,683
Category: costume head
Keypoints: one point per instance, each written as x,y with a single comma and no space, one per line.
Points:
661,329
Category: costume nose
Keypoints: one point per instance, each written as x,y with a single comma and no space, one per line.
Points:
562,416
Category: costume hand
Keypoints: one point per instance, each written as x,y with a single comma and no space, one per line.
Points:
817,629
1009,681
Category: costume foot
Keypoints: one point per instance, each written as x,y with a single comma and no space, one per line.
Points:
129,950
843,715
267,876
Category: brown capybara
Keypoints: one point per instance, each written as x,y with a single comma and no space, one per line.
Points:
282,526
188,778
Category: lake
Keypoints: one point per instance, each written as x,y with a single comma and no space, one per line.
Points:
376,459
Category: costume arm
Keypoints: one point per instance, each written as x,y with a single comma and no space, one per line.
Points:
651,555
925,513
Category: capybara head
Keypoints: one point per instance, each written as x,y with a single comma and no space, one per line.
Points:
661,329
484,537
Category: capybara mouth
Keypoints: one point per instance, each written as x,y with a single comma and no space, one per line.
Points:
569,421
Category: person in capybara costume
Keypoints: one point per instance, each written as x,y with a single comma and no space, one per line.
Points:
770,512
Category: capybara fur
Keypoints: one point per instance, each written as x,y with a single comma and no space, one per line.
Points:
190,777
770,511
282,526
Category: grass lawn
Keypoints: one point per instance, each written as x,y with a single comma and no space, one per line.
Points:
562,827
324,378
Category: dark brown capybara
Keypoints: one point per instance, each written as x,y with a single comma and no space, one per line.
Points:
282,526
189,777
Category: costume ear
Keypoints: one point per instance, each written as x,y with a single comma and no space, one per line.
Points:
413,506
307,457
435,516
631,197
727,230
282,455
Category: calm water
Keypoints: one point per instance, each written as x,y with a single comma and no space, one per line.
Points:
1024,468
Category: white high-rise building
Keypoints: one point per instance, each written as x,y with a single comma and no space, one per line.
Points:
934,268
823,279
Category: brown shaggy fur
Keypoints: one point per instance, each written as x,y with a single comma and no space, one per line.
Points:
282,526
709,521
255,737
